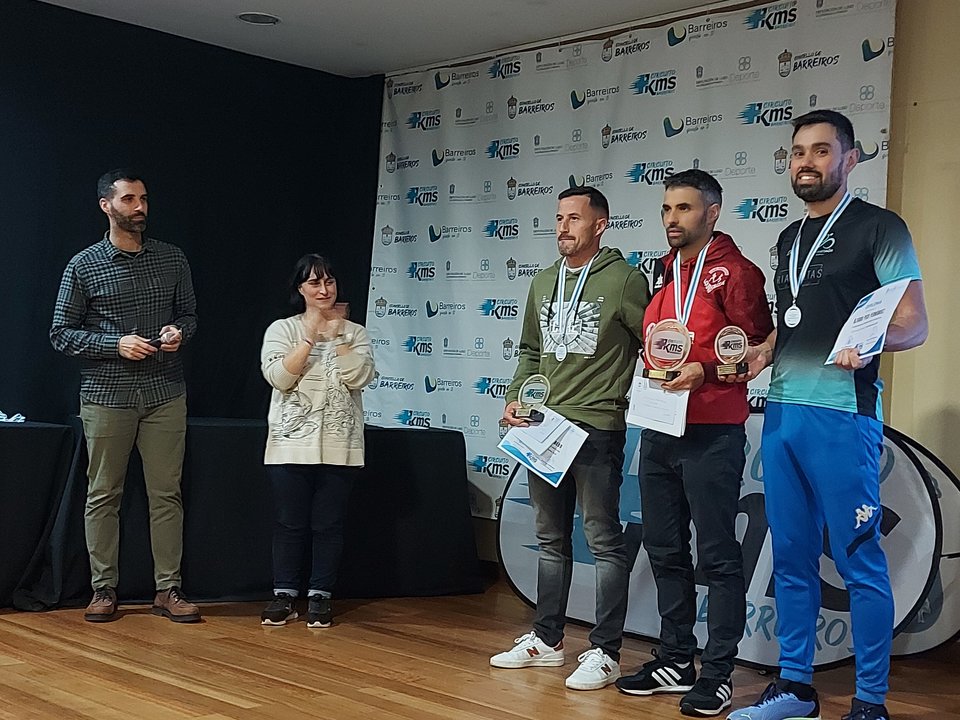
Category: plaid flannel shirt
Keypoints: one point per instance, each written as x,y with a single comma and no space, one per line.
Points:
107,293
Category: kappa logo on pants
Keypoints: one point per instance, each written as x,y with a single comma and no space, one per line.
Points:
864,513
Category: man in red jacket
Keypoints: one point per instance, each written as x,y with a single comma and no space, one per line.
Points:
707,284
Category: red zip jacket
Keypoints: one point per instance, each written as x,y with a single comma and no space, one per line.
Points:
730,293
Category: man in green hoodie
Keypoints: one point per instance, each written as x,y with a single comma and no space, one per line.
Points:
582,329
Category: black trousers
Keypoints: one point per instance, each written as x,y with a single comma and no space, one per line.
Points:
695,478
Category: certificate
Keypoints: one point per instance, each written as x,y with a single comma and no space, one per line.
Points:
654,408
866,328
552,461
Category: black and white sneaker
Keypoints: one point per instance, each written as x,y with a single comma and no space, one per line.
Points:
319,612
708,697
659,676
280,611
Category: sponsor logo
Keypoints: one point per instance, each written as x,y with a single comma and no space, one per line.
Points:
472,351
439,384
380,307
743,74
863,514
650,173
495,387
424,120
510,349
780,160
624,222
419,345
449,155
443,309
618,136
380,342
527,189
768,113
401,88
393,163
422,270
869,149
694,30
448,232
762,209
395,383
872,48
592,179
577,144
384,270
716,278
504,149
534,106
656,84
388,126
502,228
495,467
813,60
400,310
772,17
503,68
689,124
388,198
499,308
445,78
844,7
413,418
423,195
565,57
372,415
483,272
372,385
523,270
589,96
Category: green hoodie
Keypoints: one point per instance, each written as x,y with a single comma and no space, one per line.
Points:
602,340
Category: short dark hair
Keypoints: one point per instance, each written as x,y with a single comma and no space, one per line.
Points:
598,201
841,123
106,184
311,262
707,184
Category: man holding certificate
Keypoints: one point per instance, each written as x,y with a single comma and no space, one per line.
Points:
822,430
710,292
581,334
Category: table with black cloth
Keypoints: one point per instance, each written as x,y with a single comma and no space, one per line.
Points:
34,465
408,529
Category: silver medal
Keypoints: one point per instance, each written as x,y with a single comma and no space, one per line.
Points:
792,316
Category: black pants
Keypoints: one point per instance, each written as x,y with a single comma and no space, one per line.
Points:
695,477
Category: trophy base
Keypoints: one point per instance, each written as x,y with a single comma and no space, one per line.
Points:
732,369
657,374
529,414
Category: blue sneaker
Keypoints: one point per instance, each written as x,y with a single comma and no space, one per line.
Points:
778,703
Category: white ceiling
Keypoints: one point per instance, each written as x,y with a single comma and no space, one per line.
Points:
363,37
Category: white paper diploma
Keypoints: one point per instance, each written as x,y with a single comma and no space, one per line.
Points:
654,408
552,461
866,328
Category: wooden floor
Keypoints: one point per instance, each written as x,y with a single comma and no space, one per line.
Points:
408,658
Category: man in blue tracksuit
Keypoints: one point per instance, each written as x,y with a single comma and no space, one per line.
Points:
822,431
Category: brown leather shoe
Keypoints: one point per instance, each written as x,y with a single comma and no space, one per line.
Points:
171,604
103,606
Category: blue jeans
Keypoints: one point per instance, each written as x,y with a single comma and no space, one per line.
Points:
593,482
310,502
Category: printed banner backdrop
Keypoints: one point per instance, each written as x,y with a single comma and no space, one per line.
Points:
474,156
922,576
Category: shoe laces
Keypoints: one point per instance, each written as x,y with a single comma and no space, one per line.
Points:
866,712
772,693
524,640
176,596
102,595
592,659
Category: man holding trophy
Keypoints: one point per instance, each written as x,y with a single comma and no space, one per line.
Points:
581,335
711,305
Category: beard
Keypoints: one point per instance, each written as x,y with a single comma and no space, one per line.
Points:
683,240
823,189
134,224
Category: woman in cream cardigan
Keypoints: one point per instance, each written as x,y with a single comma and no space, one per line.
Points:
316,361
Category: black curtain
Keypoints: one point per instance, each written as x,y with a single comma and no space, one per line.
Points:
249,164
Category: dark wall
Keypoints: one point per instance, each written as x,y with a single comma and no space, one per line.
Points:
249,164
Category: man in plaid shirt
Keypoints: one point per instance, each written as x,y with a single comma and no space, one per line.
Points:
125,307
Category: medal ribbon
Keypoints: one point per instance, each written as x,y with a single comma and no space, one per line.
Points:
796,278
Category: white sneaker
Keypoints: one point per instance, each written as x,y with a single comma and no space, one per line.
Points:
530,651
596,671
